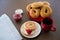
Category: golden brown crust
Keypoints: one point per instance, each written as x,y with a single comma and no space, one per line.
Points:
46,3
37,9
46,11
28,8
30,25
36,4
34,13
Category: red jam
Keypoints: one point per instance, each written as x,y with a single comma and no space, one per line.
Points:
17,17
29,31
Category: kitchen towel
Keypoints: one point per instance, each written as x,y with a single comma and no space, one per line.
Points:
7,29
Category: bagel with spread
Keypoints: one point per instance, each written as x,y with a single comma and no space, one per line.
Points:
29,27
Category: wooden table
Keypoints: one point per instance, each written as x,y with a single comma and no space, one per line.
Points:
9,7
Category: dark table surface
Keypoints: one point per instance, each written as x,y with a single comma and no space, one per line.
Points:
9,7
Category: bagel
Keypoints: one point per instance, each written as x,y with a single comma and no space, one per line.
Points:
30,25
36,5
46,3
28,8
34,13
46,11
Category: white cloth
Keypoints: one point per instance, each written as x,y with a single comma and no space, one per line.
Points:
7,29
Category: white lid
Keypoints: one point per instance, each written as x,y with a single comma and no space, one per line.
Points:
20,11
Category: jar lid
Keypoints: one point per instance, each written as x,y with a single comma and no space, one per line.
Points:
19,11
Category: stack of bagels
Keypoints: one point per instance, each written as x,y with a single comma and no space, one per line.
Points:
39,9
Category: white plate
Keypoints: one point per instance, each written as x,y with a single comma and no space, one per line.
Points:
38,30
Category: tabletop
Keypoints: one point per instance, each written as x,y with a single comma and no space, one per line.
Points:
9,7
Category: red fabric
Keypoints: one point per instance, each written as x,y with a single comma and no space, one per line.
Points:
36,19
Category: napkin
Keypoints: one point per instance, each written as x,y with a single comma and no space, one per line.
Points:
7,29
